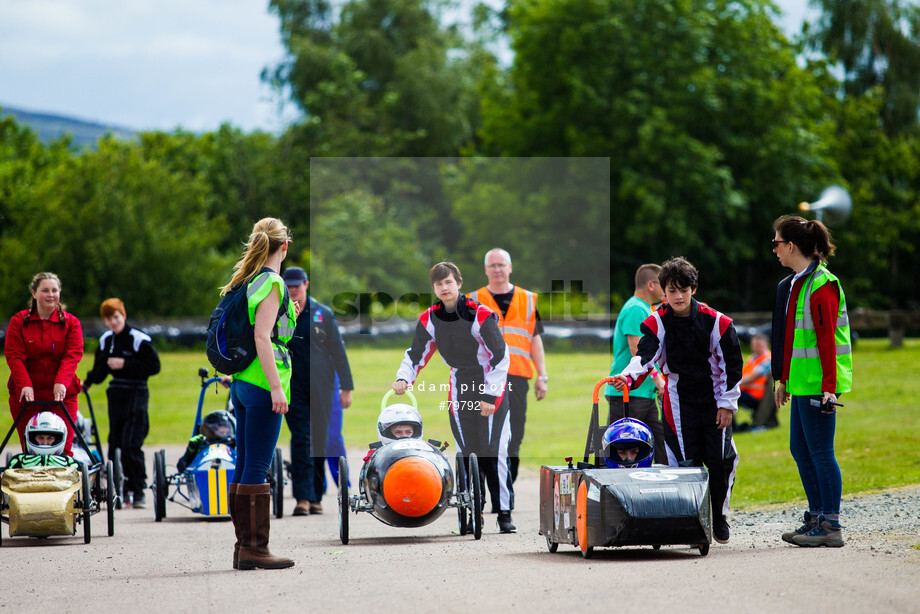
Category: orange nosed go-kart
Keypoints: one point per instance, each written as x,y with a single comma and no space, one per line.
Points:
409,483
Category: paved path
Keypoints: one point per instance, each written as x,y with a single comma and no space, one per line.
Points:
183,565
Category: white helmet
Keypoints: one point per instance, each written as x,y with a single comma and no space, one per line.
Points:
397,414
46,423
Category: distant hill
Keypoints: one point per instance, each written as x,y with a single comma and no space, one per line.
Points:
50,127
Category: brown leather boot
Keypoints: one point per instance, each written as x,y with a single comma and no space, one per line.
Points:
254,508
234,516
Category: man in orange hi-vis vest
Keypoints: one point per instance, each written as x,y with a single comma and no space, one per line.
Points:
521,328
754,381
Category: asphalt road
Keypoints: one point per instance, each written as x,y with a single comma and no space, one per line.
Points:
182,564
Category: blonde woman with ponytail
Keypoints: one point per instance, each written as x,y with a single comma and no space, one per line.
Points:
261,391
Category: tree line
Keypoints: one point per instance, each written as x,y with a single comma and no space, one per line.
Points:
714,123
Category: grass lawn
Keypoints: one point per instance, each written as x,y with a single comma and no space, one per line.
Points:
876,437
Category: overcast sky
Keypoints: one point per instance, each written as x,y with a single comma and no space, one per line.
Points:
154,64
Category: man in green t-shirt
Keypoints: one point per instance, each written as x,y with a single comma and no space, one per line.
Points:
626,335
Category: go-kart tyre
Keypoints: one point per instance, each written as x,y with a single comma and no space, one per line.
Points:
277,480
343,499
551,545
110,496
159,485
87,498
477,496
119,484
462,511
704,549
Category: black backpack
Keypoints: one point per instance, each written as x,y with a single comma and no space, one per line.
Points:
231,344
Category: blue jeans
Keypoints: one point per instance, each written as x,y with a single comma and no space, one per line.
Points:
257,430
811,441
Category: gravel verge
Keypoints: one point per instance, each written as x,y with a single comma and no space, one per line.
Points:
887,522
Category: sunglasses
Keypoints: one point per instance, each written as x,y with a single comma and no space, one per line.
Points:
776,243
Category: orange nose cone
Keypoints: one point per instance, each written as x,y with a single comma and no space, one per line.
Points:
412,486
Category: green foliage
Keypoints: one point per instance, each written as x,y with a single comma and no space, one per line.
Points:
115,223
707,119
363,248
157,222
877,43
712,125
380,78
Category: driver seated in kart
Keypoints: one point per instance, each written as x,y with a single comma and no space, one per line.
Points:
397,421
217,427
628,443
46,435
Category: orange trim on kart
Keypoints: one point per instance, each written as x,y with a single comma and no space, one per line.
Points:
581,515
608,380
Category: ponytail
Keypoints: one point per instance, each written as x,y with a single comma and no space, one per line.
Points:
811,236
268,235
824,247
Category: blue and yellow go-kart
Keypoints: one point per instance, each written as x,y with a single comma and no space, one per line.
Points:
49,501
408,483
203,485
591,506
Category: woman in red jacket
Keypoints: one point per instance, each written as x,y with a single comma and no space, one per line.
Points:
44,345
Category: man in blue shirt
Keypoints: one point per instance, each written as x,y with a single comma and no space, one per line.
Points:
318,354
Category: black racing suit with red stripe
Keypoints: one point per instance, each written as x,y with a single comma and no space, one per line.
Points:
471,344
699,357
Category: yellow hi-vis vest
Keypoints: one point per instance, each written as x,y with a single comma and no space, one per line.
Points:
517,326
283,331
805,374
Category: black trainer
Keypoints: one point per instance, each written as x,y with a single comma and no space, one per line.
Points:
140,502
504,523
720,529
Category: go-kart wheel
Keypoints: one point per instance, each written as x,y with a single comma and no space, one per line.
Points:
87,498
343,499
477,496
656,547
588,552
462,511
550,544
277,470
704,549
159,485
119,479
110,496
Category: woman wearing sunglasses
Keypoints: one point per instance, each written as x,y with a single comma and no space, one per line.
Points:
812,366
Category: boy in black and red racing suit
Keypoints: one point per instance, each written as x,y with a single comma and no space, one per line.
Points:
697,351
467,335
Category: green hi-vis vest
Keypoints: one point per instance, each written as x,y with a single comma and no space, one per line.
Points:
805,374
258,289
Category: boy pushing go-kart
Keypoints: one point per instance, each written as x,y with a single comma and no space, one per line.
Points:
466,334
697,351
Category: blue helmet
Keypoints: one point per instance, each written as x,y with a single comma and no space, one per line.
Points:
625,434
